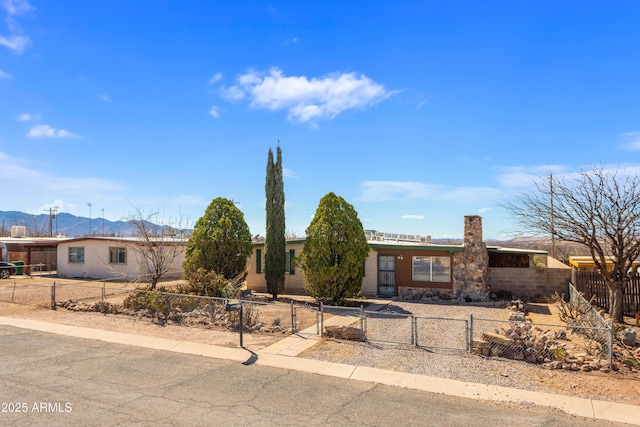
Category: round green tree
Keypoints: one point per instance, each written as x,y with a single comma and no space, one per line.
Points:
334,252
221,242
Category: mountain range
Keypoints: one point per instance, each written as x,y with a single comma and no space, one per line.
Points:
64,224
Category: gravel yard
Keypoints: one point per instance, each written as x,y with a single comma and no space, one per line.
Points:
33,297
622,386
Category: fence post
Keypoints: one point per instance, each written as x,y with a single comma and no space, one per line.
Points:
470,337
361,322
53,296
321,323
414,331
294,328
611,346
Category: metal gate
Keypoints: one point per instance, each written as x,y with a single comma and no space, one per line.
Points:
387,275
306,319
389,326
443,333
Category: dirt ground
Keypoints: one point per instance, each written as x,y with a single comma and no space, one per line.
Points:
31,299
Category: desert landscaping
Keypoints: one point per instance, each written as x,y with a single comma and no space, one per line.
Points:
31,299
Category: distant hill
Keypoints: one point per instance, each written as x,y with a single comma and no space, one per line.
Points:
63,224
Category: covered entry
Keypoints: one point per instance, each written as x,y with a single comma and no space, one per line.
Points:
387,275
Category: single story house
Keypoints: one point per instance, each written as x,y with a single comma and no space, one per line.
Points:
411,268
110,257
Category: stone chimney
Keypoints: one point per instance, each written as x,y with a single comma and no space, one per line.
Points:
472,229
472,266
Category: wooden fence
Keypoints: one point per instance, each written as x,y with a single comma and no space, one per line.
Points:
591,283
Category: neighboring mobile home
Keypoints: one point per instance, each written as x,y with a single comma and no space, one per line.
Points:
109,258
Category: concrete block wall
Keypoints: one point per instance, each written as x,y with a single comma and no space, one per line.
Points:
293,283
529,281
370,279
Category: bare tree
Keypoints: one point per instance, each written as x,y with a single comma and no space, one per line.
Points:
36,225
599,209
157,246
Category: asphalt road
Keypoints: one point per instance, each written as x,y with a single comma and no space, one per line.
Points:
59,380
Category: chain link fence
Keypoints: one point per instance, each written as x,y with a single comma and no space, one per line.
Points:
442,333
33,294
389,326
586,342
540,343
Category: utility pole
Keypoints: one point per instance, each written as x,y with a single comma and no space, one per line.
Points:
52,214
55,214
103,221
50,221
89,204
553,228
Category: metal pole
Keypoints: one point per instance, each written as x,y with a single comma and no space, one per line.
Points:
414,331
14,291
361,322
470,337
241,324
293,318
321,319
103,289
610,346
53,296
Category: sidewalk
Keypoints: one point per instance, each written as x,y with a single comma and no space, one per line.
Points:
279,355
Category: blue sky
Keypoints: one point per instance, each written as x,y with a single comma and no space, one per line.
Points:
415,112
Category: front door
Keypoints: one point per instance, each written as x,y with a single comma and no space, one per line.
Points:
387,275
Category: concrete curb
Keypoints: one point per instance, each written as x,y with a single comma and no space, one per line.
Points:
588,408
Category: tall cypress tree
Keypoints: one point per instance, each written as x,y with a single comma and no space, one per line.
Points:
275,244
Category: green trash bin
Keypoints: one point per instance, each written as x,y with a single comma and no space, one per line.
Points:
19,267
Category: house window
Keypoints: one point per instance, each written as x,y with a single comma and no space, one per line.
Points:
288,267
117,255
431,269
76,255
258,261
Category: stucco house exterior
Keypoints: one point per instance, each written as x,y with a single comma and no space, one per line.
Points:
411,268
108,258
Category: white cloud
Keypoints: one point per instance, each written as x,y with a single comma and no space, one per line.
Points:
214,112
15,41
4,75
15,7
483,210
631,141
307,100
36,181
386,191
46,131
412,217
105,97
382,191
519,176
288,173
216,78
24,117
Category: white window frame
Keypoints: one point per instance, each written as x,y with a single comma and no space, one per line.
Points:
73,255
438,269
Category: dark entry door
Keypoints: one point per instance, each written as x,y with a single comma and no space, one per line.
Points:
387,275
